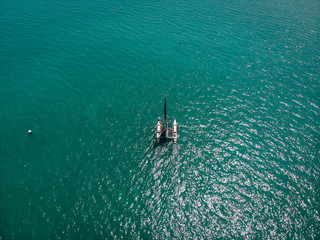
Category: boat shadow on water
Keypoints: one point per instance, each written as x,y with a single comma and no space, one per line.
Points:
164,142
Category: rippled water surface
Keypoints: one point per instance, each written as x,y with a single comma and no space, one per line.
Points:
89,79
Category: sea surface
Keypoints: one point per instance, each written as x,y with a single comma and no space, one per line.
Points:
89,78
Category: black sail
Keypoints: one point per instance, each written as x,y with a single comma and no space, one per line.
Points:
165,108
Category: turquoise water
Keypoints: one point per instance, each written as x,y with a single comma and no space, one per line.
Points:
89,79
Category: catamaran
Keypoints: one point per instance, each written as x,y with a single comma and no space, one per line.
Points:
164,131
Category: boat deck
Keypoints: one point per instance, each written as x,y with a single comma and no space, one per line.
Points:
167,132
170,133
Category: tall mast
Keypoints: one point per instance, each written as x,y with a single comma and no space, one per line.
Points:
165,109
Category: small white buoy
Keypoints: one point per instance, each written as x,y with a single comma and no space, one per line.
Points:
29,131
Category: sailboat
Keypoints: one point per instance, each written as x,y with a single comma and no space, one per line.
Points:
166,129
